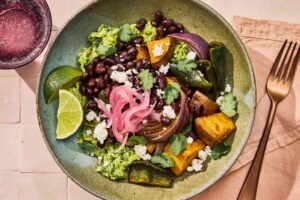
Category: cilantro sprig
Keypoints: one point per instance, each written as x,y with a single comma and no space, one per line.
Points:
163,160
147,79
186,65
220,150
134,139
171,92
178,144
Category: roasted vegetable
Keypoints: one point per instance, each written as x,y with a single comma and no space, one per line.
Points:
155,132
217,57
206,66
214,128
199,99
148,174
151,147
160,51
184,159
142,53
194,79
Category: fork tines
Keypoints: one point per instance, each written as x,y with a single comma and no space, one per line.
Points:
282,68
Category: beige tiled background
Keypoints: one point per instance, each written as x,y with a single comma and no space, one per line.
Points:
27,170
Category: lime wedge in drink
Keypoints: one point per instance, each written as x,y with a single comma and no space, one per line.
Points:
69,115
63,77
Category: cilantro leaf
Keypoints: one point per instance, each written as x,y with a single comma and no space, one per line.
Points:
186,65
171,92
146,79
178,144
220,150
162,160
125,33
106,50
229,105
134,139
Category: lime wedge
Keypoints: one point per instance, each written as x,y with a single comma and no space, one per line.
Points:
62,77
69,115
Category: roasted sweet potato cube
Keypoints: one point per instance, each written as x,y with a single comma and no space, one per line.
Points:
184,159
160,51
199,99
213,129
151,147
142,53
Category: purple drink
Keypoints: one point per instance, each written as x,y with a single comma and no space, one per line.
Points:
25,28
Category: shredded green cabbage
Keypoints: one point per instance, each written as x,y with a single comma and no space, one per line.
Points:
103,43
180,52
147,33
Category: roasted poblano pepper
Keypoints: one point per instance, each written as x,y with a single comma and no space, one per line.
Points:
210,74
148,174
218,60
194,79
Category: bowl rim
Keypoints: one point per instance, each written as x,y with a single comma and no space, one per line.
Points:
40,49
220,173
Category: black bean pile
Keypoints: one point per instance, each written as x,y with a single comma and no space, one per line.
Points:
96,80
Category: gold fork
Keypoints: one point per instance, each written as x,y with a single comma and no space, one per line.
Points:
278,86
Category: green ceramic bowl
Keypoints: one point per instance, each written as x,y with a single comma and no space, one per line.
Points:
198,18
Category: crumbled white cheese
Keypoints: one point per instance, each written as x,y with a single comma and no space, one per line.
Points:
200,73
144,121
160,93
191,55
120,77
164,68
208,150
100,159
98,119
219,99
197,165
227,88
134,71
88,132
202,154
100,132
137,45
190,140
129,72
128,83
141,151
222,93
158,50
114,67
91,116
122,59
169,112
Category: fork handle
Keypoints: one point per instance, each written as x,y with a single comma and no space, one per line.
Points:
249,188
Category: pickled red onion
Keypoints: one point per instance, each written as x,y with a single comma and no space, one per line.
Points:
125,121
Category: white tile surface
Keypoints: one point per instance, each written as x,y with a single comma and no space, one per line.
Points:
42,186
28,105
34,149
9,100
10,146
9,185
75,192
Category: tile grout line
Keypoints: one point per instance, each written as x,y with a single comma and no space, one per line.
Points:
67,188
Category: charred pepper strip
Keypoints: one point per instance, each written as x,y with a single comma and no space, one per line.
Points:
217,57
193,79
148,174
210,74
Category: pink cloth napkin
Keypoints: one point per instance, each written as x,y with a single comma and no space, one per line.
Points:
280,176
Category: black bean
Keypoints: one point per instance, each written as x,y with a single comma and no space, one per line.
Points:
100,68
89,91
106,91
139,65
100,145
91,73
179,27
155,38
138,40
147,65
160,31
137,82
175,106
117,59
96,90
165,120
100,83
162,82
120,45
109,140
96,60
172,29
167,23
197,110
153,100
91,83
109,71
158,16
154,23
129,46
141,24
82,89
84,76
160,104
132,51
107,78
124,53
92,105
109,61
129,65
89,67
